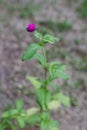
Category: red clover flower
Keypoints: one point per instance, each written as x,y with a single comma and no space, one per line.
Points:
31,27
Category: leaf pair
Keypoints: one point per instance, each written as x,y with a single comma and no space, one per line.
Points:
6,124
50,39
47,38
16,114
47,123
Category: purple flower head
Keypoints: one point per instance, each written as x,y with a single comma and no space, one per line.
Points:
31,27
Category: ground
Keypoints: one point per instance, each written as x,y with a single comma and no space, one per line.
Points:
71,50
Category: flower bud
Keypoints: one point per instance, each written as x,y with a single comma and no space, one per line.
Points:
31,27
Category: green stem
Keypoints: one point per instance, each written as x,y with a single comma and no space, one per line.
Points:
45,66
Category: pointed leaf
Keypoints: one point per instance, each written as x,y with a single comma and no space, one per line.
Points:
32,111
40,58
5,114
10,113
21,122
54,128
65,100
45,120
34,119
54,104
47,97
34,81
30,51
38,35
40,97
43,125
13,112
43,97
57,70
50,39
10,125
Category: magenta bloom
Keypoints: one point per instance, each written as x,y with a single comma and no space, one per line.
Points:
31,27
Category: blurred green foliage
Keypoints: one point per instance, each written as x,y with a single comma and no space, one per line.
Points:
80,63
65,25
82,9
24,10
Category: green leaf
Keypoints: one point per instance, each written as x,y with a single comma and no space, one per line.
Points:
10,125
21,122
43,125
6,123
54,128
54,104
40,98
47,123
40,59
34,119
34,81
45,120
10,113
43,97
45,116
13,112
53,123
47,97
57,70
19,104
32,111
65,100
5,114
30,51
38,35
50,39
1,126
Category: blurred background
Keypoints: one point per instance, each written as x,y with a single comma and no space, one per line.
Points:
64,18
